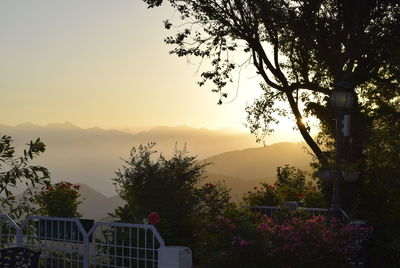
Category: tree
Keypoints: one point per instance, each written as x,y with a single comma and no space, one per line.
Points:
380,202
299,48
291,176
169,187
16,172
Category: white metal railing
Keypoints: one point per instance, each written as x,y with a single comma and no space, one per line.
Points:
271,210
70,242
124,245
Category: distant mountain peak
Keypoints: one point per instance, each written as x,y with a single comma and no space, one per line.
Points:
65,125
95,129
26,125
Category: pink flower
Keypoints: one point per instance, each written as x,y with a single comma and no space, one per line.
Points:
237,240
212,226
154,218
244,243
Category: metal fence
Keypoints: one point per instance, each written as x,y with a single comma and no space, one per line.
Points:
271,211
71,242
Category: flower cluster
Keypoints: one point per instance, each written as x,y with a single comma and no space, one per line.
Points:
296,242
60,200
238,241
222,224
313,240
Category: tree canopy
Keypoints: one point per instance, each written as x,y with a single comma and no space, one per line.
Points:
16,172
171,188
300,48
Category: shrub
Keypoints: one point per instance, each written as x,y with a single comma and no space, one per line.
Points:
60,200
297,242
265,195
289,186
172,188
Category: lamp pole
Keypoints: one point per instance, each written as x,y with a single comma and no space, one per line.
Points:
336,206
342,99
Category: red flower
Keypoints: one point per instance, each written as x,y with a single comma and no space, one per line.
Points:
153,218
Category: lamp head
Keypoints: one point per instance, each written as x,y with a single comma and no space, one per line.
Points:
342,96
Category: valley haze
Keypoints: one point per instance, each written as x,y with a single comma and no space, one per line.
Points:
91,156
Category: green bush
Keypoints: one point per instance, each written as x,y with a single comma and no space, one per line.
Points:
290,185
60,200
265,195
172,188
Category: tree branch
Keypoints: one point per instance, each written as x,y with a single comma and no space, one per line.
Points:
306,136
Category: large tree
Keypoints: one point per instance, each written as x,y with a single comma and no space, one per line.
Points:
300,48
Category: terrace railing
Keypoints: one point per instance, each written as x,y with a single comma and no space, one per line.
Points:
70,242
270,211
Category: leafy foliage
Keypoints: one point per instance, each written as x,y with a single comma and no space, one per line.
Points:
171,188
380,202
243,239
299,48
60,200
16,172
290,185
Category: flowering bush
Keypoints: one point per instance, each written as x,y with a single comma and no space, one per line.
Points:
311,243
290,185
60,200
264,195
297,242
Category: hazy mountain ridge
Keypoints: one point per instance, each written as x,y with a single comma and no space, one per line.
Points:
96,205
259,163
91,156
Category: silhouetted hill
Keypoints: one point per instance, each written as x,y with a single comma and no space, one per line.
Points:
96,205
259,163
237,186
243,170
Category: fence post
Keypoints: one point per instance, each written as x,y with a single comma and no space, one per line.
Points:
85,250
174,257
19,237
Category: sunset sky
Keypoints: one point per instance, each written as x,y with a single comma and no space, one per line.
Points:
103,63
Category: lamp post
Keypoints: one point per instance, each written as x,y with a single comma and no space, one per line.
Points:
342,98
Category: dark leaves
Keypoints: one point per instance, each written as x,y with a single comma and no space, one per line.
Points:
17,170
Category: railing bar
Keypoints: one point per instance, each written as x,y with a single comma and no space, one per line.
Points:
130,249
123,245
137,247
153,251
108,249
145,245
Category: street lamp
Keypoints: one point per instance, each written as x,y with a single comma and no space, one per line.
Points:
342,98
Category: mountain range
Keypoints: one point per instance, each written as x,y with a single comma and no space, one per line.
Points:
91,156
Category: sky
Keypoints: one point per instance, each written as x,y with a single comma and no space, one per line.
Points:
103,63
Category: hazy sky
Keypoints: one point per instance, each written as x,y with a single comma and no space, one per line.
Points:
103,63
